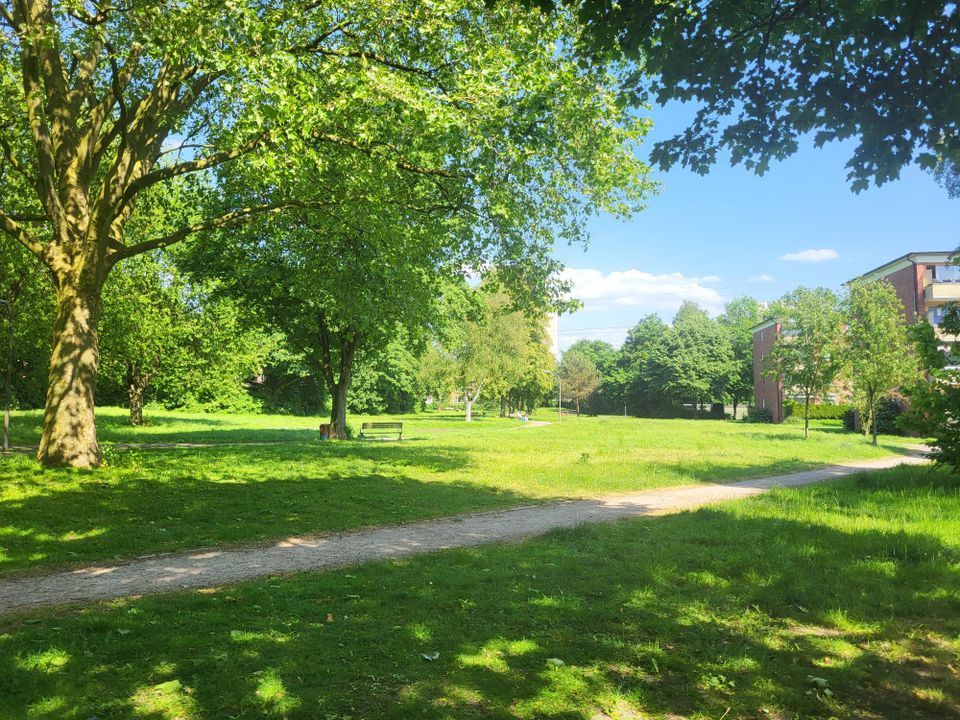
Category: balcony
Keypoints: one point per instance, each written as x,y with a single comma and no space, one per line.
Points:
942,292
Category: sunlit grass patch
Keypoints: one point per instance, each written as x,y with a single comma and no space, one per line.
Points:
673,617
161,500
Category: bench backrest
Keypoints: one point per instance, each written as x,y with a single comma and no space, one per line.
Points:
383,426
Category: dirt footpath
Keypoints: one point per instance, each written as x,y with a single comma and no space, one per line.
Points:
210,568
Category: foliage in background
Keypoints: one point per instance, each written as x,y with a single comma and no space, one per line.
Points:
145,315
881,357
816,411
928,345
388,381
808,352
496,350
694,362
759,414
25,288
611,396
641,393
739,316
934,412
579,375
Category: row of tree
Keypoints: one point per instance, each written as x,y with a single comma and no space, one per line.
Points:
859,342
174,340
861,339
695,361
332,169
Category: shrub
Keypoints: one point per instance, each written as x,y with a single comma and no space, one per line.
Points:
818,411
850,420
934,407
889,410
759,415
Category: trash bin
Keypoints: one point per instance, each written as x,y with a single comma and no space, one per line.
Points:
325,431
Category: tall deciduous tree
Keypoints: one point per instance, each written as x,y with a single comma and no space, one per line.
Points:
808,353
497,350
881,356
143,319
694,361
105,101
739,316
610,396
643,339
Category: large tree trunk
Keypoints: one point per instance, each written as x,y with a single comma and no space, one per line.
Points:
69,437
503,406
338,411
806,416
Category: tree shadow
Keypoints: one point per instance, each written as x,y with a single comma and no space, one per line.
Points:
701,614
156,501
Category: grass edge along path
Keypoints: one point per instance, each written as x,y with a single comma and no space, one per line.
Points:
217,567
153,501
750,609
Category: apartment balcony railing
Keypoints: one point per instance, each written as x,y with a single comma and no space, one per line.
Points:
942,292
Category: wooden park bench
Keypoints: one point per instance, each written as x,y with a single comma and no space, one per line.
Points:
381,430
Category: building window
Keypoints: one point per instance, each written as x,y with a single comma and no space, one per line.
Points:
935,316
946,273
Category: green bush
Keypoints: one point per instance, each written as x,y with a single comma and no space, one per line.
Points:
759,415
849,420
818,411
889,410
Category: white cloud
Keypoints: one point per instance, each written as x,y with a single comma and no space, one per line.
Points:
643,290
761,279
811,255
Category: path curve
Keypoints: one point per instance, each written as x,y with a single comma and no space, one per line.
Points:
210,568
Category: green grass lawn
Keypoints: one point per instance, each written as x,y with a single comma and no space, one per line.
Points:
840,600
152,500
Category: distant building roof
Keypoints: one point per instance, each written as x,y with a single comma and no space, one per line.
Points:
935,256
763,325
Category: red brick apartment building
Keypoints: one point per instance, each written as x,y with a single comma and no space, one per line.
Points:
924,281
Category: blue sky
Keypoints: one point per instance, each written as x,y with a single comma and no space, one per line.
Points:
725,234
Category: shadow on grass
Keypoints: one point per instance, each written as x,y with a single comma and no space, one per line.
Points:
698,622
160,501
151,500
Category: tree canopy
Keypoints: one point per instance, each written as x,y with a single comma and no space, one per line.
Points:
808,353
484,109
885,74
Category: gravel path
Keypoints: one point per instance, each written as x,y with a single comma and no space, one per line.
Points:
210,568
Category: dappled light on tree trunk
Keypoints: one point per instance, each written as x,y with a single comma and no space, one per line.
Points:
69,431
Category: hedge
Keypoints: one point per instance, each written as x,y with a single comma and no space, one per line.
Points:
817,411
